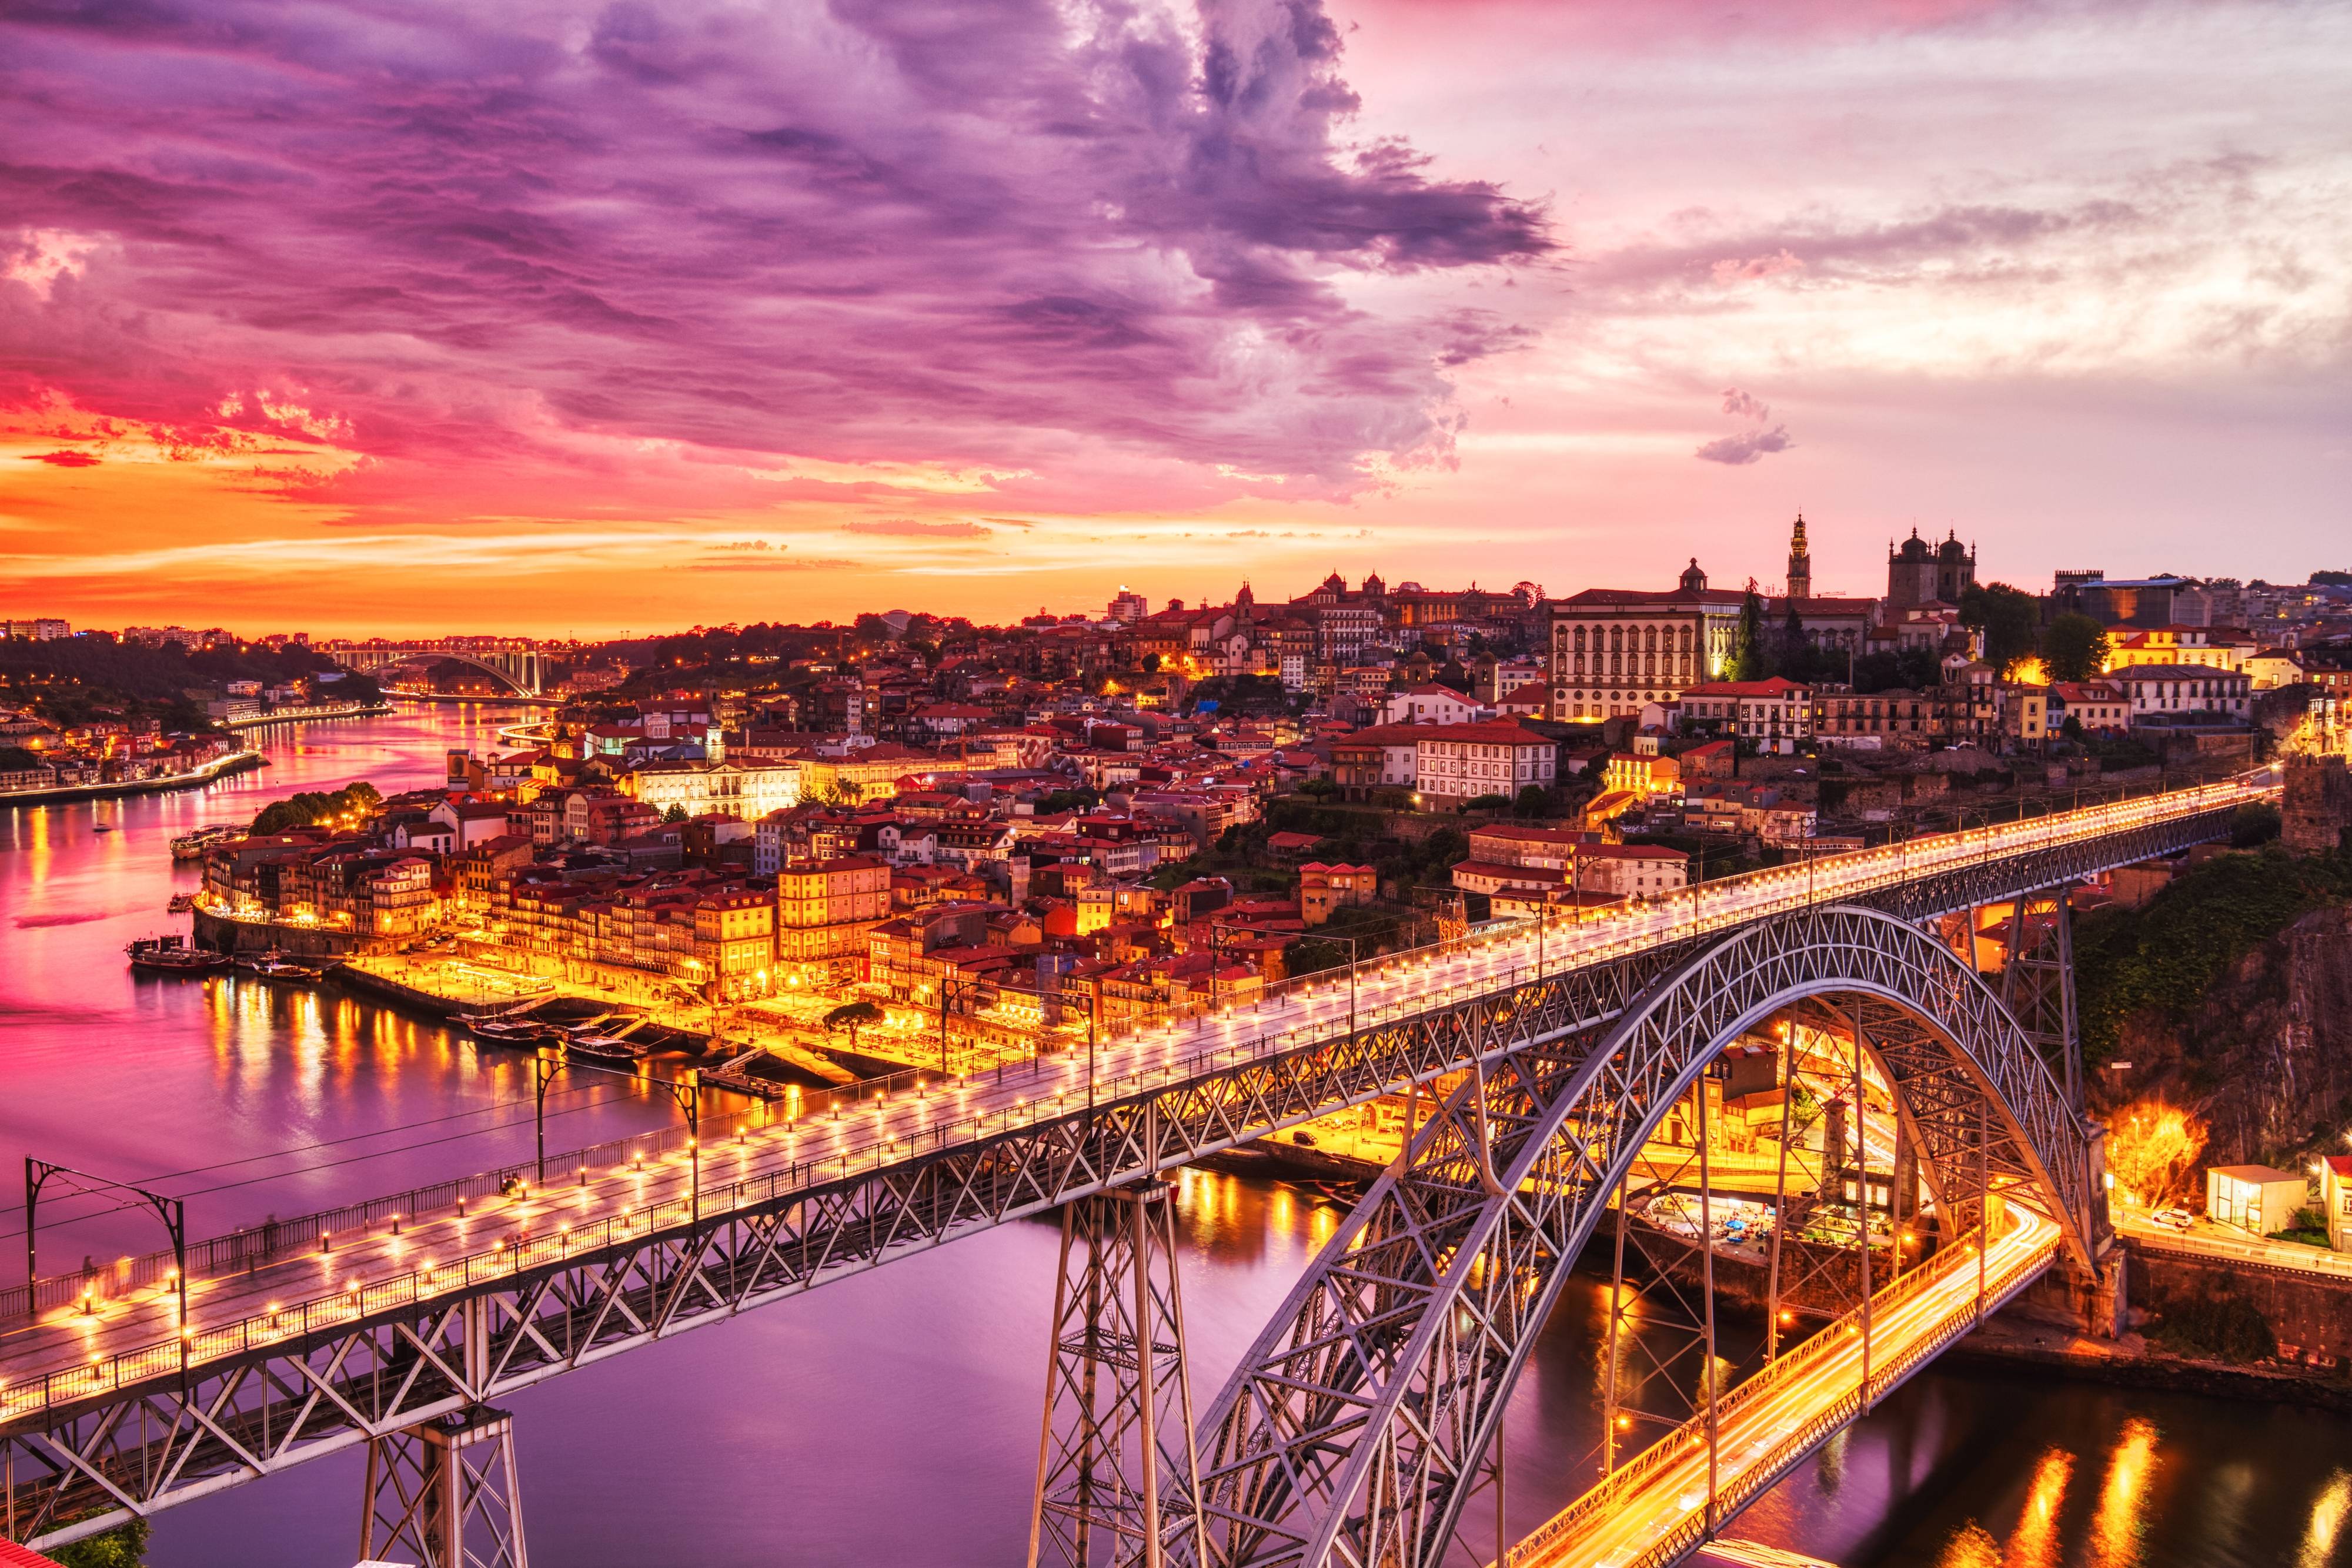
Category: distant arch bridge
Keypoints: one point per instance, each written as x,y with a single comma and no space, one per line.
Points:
521,665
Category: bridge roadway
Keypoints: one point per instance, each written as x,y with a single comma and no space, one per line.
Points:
70,1366
1663,1502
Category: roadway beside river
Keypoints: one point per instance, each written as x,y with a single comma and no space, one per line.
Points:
218,768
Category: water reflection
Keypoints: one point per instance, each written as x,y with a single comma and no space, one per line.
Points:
2319,1541
2115,1533
2034,1543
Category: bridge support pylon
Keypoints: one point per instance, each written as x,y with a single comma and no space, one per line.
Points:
445,1491
1117,1473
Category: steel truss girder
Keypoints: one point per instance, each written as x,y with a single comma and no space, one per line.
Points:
74,1469
446,1490
1945,889
1117,1444
2037,984
1350,1432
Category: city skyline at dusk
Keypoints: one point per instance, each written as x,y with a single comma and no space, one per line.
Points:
594,319
1271,783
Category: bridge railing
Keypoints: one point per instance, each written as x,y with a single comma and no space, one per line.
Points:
1603,942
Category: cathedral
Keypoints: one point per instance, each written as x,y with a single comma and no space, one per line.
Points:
1920,573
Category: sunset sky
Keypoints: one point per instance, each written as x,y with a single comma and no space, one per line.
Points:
579,317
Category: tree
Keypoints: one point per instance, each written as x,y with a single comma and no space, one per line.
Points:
2008,618
1533,801
1750,659
1795,652
853,1016
125,1546
1907,669
674,814
2074,647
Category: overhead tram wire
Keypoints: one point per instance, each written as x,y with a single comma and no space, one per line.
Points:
375,1154
353,1138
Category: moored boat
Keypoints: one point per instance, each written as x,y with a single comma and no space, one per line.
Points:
173,955
507,1031
182,903
276,965
190,846
603,1047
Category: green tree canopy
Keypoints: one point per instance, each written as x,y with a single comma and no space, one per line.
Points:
2074,647
1750,659
314,807
125,1546
2009,618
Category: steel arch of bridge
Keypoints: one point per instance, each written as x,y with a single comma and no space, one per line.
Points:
379,658
1357,1424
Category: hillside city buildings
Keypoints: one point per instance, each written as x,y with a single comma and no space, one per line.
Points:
1086,817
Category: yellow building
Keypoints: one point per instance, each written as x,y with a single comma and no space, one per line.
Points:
872,773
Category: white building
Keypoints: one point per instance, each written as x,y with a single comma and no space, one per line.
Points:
1773,714
1428,705
749,790
1632,871
2159,692
1456,762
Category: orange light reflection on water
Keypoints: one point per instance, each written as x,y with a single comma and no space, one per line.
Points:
2326,1527
2116,1529
2034,1543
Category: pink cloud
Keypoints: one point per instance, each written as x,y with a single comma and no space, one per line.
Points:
915,527
1734,270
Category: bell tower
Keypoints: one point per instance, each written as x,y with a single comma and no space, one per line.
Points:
1800,563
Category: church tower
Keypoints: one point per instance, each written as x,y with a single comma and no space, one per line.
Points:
1800,563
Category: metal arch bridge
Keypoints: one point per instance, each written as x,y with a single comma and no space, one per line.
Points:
395,1325
519,664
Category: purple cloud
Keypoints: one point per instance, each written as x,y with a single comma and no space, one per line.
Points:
1743,405
64,459
988,233
1750,447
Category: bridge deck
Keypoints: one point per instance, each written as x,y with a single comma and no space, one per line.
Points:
1656,1509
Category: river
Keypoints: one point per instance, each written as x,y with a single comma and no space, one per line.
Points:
891,1418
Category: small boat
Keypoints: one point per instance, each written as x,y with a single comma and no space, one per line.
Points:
191,846
603,1047
510,1032
181,903
275,965
100,828
173,955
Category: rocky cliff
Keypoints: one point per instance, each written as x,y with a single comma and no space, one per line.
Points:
2261,1046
